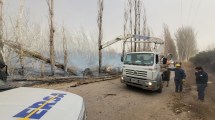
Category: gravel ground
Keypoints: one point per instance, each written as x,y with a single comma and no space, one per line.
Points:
112,100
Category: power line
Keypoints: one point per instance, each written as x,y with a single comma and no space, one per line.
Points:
181,14
198,7
191,5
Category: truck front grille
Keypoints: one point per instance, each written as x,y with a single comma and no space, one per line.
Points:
136,73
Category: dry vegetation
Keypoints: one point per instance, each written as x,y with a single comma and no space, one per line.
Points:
205,59
72,48
188,102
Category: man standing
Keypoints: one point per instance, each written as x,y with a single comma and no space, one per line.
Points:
166,77
179,76
201,82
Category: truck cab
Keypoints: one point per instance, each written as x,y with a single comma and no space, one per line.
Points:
142,69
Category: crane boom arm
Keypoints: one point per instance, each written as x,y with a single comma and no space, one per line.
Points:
144,39
110,43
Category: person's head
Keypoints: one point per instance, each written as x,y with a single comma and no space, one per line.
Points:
178,65
199,68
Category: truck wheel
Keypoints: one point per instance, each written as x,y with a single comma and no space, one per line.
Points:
160,89
161,86
128,85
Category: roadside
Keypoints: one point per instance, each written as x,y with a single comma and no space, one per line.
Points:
188,100
4,86
112,100
1,83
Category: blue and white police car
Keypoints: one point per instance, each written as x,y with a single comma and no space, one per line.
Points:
40,104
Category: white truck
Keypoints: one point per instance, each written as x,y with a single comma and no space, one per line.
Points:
143,69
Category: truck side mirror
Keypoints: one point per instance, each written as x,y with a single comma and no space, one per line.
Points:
122,58
157,59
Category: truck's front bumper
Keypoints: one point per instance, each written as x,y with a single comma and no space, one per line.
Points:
142,83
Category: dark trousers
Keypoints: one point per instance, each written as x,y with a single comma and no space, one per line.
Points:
201,91
178,85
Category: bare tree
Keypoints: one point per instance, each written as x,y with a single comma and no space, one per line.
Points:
139,4
130,17
135,22
144,29
125,27
147,45
186,43
1,33
65,49
42,69
19,36
169,43
100,37
52,30
125,20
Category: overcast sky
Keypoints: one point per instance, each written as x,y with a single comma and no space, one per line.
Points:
77,14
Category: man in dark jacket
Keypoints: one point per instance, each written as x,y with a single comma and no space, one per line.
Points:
179,76
201,82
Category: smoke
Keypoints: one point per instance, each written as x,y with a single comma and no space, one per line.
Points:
82,48
83,51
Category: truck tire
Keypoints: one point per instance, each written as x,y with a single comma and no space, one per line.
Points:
128,85
160,89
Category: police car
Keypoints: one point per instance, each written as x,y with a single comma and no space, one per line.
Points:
40,104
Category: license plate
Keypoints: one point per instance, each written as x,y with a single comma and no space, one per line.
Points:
134,81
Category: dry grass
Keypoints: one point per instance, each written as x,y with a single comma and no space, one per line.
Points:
188,102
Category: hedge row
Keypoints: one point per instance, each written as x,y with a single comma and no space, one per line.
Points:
205,59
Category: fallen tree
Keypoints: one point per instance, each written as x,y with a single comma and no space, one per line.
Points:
77,80
36,55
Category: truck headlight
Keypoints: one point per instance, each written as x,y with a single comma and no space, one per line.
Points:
150,83
122,78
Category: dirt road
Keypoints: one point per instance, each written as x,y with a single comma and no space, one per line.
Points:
112,100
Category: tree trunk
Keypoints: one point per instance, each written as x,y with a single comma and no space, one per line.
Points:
1,33
135,24
19,34
52,30
100,17
36,55
130,16
65,51
42,69
144,26
139,17
125,29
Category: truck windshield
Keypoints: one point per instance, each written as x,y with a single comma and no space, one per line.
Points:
145,59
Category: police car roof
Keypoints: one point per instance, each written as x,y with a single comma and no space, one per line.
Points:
36,103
